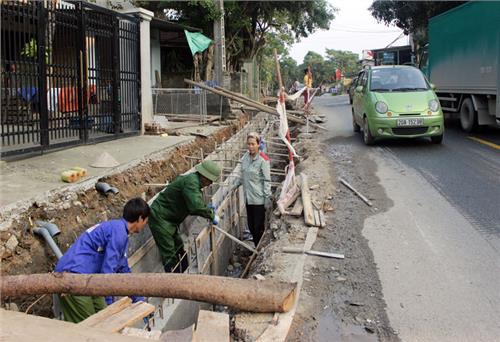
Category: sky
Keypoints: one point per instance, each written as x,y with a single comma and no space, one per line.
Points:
353,29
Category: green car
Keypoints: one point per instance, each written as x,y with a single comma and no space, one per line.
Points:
396,102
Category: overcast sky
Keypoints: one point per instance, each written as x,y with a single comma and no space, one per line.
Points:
353,29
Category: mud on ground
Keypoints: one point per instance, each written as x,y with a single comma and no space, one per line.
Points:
73,212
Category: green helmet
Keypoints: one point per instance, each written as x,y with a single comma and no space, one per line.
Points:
209,169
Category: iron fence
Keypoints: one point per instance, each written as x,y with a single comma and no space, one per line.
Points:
70,75
182,103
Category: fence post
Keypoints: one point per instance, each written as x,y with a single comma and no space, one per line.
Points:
116,76
42,75
82,73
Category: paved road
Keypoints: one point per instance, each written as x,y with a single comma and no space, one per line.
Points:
437,240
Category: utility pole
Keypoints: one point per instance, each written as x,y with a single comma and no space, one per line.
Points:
220,45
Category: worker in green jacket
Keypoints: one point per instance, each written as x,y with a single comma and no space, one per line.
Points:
179,199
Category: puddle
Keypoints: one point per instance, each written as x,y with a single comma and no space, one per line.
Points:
330,328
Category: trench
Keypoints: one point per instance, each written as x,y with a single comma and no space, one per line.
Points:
208,251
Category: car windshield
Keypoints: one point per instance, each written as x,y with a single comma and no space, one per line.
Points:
397,79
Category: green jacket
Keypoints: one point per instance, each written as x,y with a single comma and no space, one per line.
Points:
181,198
256,178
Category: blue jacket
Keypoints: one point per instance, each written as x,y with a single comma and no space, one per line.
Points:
100,249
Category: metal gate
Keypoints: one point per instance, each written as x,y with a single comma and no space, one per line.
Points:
70,75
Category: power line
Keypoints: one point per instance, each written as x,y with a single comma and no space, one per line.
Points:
361,30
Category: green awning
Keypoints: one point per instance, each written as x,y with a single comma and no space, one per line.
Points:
197,41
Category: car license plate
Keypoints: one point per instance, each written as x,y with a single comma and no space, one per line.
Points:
409,122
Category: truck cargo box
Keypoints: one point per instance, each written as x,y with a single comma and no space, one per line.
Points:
464,48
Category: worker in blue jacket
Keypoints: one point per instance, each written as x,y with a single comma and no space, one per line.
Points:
101,249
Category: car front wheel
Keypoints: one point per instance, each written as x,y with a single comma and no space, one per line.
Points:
367,135
355,126
437,139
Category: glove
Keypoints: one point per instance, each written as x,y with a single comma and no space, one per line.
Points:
216,220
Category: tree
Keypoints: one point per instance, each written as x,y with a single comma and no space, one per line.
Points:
410,16
346,61
248,23
321,71
267,63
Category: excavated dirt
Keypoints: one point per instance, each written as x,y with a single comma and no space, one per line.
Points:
73,212
342,299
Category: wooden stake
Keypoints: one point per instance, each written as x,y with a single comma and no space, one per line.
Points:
262,108
349,186
306,201
298,208
310,252
239,242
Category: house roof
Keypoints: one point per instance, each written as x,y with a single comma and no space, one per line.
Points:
165,25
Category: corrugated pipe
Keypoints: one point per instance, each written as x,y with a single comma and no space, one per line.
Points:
48,230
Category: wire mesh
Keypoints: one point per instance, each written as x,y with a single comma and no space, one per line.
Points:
185,104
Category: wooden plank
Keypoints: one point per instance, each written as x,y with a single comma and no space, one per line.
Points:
212,326
298,208
109,311
150,335
322,219
126,317
203,248
20,327
306,201
317,221
141,252
280,331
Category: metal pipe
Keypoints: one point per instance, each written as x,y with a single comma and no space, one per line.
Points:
239,242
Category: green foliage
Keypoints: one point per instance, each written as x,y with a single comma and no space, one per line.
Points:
30,49
346,61
249,25
410,16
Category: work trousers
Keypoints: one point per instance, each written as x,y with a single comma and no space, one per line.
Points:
78,308
306,96
170,244
256,218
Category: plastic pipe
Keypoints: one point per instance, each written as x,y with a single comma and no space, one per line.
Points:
44,232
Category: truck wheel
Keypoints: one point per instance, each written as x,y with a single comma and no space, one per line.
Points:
468,116
367,135
355,126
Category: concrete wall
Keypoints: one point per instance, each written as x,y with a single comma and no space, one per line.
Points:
145,50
